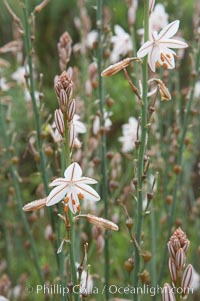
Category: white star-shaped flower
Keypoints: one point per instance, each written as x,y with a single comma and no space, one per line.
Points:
129,137
158,47
73,187
122,44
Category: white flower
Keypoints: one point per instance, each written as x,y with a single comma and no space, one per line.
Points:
19,75
158,18
2,298
76,124
80,128
3,85
73,187
129,137
86,283
197,89
122,44
158,47
92,38
107,122
27,95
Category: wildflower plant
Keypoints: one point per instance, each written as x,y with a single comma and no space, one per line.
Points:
101,160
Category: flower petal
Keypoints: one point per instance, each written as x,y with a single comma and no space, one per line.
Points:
73,172
56,195
153,56
86,180
169,31
88,192
119,30
172,43
79,127
58,181
147,47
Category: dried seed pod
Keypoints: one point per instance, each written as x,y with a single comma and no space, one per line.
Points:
129,265
145,277
146,256
129,223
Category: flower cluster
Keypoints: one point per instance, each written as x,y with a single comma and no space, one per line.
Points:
64,116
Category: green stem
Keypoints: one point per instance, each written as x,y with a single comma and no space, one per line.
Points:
104,186
144,109
19,200
71,226
153,246
29,51
28,45
71,253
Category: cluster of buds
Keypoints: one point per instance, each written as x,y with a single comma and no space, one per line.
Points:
181,275
63,117
64,50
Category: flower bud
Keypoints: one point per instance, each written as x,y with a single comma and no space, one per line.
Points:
167,293
62,100
187,277
35,205
71,110
180,259
171,250
59,121
115,68
99,221
63,82
172,270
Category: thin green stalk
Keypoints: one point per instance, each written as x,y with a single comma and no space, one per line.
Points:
104,186
19,200
71,253
29,50
144,109
71,223
153,246
26,225
28,45
4,218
